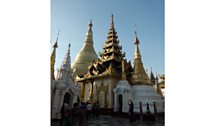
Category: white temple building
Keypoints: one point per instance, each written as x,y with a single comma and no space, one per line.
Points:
63,88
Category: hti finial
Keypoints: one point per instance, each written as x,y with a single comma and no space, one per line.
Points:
90,23
135,27
156,75
56,43
58,35
136,39
58,32
69,45
112,20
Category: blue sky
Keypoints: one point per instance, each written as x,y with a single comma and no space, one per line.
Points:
144,16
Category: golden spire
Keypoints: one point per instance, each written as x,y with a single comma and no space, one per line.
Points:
53,56
112,21
137,51
89,34
139,76
86,55
123,75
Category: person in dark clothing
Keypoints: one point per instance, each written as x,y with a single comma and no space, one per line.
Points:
78,115
131,111
83,106
97,109
147,107
66,121
88,110
94,110
63,109
74,115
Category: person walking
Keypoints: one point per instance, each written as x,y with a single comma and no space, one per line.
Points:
97,109
89,109
131,111
94,110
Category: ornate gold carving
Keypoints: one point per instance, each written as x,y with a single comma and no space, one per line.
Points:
103,88
123,75
91,95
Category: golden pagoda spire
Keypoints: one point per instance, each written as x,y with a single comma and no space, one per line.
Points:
139,76
137,51
112,21
89,34
123,75
53,56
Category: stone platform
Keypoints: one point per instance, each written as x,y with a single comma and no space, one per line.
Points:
107,120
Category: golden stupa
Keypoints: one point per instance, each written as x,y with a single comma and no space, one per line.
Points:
86,55
139,76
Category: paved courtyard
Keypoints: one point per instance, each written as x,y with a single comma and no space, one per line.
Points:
106,120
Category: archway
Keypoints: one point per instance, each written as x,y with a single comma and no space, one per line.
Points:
67,99
120,102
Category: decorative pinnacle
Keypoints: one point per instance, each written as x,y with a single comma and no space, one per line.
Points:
56,43
90,23
151,70
123,76
58,32
112,20
136,39
58,35
152,75
69,45
157,76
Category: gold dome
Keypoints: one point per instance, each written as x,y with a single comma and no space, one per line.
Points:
86,55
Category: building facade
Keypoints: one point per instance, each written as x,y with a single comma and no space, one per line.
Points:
103,81
63,89
108,79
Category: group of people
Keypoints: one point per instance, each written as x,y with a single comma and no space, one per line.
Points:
79,114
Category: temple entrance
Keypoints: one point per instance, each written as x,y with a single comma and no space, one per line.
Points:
67,99
120,102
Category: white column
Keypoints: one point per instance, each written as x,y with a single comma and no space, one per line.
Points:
57,103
